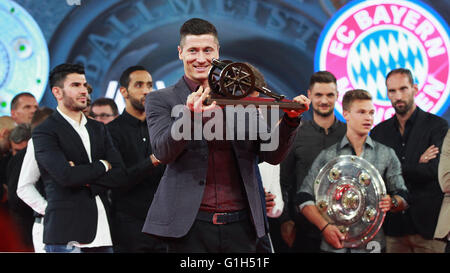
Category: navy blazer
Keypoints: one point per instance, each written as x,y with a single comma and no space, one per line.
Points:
179,195
71,214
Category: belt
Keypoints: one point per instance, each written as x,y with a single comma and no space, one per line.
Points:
221,218
38,219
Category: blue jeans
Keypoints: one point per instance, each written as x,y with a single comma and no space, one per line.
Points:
73,249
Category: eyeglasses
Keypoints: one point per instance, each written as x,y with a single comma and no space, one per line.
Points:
101,116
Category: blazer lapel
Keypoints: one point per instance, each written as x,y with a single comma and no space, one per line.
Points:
93,138
73,137
182,91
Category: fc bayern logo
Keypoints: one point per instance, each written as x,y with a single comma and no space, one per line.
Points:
367,39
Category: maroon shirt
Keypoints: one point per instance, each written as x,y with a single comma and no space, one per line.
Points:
224,190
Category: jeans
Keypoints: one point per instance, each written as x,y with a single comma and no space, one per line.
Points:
73,249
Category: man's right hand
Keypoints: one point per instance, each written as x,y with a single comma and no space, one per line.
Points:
429,154
333,236
195,100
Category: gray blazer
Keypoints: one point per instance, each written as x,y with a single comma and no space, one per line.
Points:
179,195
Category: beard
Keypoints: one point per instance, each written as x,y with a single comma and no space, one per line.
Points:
138,104
72,104
323,114
402,110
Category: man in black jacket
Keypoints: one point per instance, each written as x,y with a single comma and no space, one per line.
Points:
130,135
416,136
76,159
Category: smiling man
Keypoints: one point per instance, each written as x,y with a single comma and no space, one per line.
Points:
359,114
314,136
208,199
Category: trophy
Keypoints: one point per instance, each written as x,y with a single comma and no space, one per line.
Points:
348,191
232,82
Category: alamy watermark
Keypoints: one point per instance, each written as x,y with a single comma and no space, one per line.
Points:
233,122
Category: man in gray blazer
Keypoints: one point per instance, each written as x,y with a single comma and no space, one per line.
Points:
208,198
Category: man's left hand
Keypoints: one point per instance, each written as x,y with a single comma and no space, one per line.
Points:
302,100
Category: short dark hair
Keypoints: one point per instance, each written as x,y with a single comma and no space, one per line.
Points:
322,77
40,115
59,73
125,77
15,100
352,95
403,71
197,26
20,133
105,101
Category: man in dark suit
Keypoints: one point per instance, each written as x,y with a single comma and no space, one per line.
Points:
208,199
130,136
76,159
416,136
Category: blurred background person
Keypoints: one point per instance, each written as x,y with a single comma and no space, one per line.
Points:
23,106
30,187
20,212
103,110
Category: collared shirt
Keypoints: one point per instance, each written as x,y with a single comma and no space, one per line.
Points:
224,187
29,176
400,144
131,138
380,156
311,139
103,236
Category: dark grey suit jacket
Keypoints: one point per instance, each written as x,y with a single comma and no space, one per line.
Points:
179,195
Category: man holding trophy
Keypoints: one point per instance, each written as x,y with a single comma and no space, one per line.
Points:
358,111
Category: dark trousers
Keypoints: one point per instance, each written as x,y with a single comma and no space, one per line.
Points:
206,237
127,236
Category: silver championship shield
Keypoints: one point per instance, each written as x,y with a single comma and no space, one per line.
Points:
348,191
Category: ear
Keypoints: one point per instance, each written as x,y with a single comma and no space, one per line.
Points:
346,114
13,114
309,93
180,51
416,89
124,92
57,92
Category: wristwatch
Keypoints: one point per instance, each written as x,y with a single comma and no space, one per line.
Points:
394,202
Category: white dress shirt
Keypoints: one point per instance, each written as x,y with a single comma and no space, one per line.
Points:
270,175
103,236
29,175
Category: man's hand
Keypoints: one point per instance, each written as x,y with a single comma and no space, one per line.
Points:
385,203
429,154
270,201
195,100
154,160
333,236
302,100
288,231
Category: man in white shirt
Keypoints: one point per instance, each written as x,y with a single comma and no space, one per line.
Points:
29,186
77,160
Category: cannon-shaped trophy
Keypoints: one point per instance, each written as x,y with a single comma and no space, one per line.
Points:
348,191
232,82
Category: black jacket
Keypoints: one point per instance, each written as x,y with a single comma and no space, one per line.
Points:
425,195
71,214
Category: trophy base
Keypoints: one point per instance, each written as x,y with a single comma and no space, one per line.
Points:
257,102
